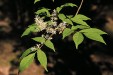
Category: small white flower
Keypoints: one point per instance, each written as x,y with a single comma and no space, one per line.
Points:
38,45
54,13
51,30
54,23
46,36
40,23
33,48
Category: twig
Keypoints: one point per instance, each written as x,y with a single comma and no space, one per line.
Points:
79,7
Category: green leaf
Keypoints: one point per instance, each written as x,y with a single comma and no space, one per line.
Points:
68,21
79,27
31,28
79,21
65,5
50,45
42,58
82,17
39,39
58,9
27,52
26,61
26,32
34,28
67,32
69,16
62,17
94,36
78,39
53,0
68,4
43,10
36,1
94,30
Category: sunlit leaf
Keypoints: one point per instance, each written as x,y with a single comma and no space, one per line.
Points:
36,1
26,61
68,21
50,45
69,16
26,32
79,27
58,9
79,21
94,36
53,0
94,30
82,17
65,5
43,10
68,4
39,39
78,39
41,56
31,28
62,16
27,52
67,32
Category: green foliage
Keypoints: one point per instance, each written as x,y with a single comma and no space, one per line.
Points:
94,36
79,27
67,32
65,19
31,28
43,11
39,39
27,52
93,30
53,0
80,19
78,38
50,45
26,61
36,1
52,22
62,17
65,5
41,56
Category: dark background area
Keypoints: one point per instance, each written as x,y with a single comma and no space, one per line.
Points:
92,58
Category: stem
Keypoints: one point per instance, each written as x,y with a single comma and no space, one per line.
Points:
79,7
46,40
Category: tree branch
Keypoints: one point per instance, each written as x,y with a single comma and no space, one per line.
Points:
79,7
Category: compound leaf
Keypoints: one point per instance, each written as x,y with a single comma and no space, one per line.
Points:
82,17
26,61
50,45
65,5
43,10
94,36
62,16
67,32
26,52
36,1
39,39
78,39
41,56
94,30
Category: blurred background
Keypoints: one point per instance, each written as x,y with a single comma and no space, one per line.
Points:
92,58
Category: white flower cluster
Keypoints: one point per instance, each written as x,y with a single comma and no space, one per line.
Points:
53,26
40,23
